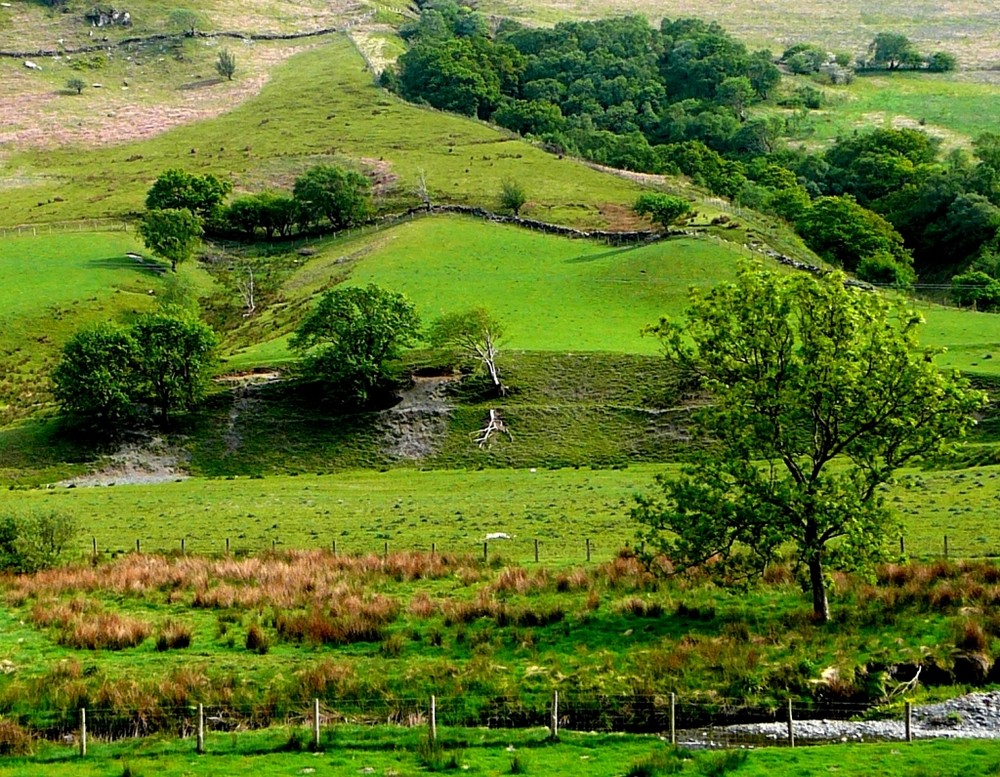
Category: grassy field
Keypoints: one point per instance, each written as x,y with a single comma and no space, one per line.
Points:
449,264
491,754
955,107
965,28
456,510
321,106
50,286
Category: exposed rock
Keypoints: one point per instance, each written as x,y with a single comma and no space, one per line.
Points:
32,65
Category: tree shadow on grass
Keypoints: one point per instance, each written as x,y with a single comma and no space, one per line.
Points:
141,265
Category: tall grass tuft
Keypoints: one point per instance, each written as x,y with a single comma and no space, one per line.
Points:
104,631
14,738
173,636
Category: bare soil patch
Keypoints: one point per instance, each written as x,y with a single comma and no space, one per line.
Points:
415,428
148,461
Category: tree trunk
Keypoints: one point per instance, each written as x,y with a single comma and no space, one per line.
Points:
821,607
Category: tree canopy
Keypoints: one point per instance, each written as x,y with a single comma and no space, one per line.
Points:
172,234
353,337
341,196
818,393
175,189
110,376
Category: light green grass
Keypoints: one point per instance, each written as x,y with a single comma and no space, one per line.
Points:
955,107
50,286
321,106
353,751
552,293
456,509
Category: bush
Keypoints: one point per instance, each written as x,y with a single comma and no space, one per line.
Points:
14,738
257,641
35,541
174,636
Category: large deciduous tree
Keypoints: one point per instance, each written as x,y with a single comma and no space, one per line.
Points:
97,378
327,191
353,337
177,352
175,189
818,392
171,234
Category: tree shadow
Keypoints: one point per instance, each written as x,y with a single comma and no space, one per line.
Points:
141,265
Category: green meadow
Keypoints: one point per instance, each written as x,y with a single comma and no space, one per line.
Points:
387,751
407,509
320,106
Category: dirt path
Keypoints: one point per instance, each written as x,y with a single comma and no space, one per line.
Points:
245,387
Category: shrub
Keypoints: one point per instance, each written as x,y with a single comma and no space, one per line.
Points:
15,739
34,541
972,638
173,636
104,631
257,641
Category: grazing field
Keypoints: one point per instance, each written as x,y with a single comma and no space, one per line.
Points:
456,510
320,106
387,751
965,28
955,107
50,286
547,290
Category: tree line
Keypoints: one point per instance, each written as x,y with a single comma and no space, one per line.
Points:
888,205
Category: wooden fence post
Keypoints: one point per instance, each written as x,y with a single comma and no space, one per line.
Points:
555,715
486,552
137,546
93,543
200,747
227,546
588,549
791,731
902,545
83,731
673,719
434,720
434,548
316,723
183,546
334,547
536,551
946,546
909,722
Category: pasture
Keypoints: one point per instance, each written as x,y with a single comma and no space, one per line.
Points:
319,106
407,509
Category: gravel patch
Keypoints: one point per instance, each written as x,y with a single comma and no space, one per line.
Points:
974,716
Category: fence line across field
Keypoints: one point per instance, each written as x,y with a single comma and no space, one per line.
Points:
511,548
677,721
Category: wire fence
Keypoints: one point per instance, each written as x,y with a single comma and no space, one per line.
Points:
495,548
62,227
691,723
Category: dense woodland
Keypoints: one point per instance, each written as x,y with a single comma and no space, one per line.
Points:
687,98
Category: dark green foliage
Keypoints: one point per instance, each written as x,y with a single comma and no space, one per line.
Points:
225,65
171,234
34,541
343,197
97,379
108,374
353,339
976,289
76,85
941,62
891,50
819,393
177,354
176,189
270,213
662,209
844,233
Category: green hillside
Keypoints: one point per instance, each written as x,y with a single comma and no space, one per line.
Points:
320,106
